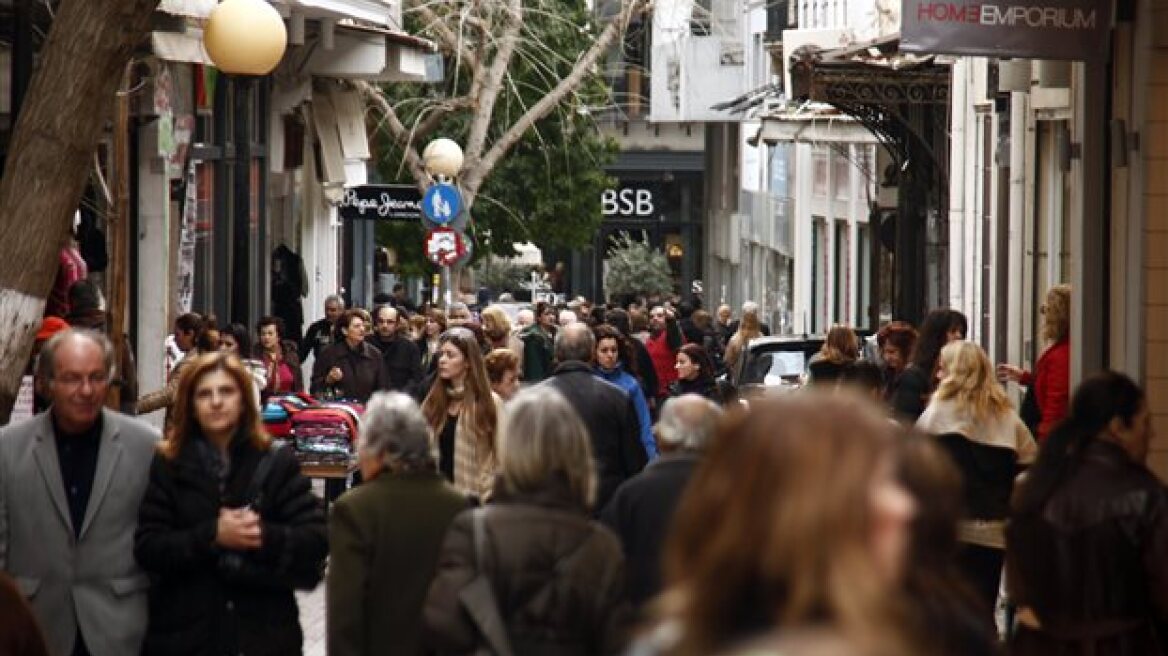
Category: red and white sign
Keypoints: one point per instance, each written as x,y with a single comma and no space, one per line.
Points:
444,246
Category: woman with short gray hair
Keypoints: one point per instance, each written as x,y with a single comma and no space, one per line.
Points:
557,576
384,535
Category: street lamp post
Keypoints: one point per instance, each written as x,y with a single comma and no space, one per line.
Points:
443,160
245,39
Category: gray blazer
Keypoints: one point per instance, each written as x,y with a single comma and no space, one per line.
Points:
93,581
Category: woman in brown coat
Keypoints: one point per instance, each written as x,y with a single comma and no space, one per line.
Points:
557,576
1087,546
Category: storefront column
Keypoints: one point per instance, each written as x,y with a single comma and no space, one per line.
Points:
1088,223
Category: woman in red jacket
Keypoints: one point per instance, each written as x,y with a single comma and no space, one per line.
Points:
1051,377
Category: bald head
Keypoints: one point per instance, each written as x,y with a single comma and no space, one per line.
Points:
687,423
574,343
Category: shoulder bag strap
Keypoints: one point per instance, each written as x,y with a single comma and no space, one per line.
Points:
254,493
481,601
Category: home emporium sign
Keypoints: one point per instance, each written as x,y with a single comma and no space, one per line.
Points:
1041,29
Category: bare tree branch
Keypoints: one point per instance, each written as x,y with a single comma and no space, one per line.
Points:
451,42
398,131
493,82
436,113
473,178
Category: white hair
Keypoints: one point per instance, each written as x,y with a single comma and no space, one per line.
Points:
567,317
750,306
525,317
688,422
394,430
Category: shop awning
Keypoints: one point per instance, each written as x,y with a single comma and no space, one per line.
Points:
375,55
816,126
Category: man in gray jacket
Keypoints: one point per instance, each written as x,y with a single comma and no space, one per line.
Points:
71,480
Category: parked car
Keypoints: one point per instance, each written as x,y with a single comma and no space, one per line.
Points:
771,364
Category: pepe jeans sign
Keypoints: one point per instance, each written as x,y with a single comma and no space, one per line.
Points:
1039,29
381,202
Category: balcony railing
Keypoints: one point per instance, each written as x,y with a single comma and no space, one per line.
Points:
821,14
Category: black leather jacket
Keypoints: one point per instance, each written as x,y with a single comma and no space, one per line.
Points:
1094,566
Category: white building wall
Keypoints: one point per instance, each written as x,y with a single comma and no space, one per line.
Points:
153,267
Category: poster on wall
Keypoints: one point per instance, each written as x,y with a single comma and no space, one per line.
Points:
1037,29
185,287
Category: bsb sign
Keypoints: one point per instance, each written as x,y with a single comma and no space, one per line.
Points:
1033,29
627,202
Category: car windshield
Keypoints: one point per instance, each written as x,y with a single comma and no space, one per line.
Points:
773,367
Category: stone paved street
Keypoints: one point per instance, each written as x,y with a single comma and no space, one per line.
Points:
312,606
312,620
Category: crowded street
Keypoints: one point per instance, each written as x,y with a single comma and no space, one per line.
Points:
574,328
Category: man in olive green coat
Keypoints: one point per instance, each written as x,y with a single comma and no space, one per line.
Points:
384,536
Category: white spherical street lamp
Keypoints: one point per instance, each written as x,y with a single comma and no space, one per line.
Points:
245,37
443,158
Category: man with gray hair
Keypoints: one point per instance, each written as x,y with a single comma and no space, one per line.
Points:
642,508
606,409
385,535
320,335
71,481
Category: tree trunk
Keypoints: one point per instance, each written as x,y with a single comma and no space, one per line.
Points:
52,146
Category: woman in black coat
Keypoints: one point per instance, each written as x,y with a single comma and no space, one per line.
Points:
695,374
228,527
912,389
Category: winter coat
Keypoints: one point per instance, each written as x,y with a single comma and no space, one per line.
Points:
205,600
911,392
611,419
384,536
641,512
1052,385
403,361
538,353
988,451
558,578
317,338
707,387
363,371
632,386
1093,565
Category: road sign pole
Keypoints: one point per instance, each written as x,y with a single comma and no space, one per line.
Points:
447,289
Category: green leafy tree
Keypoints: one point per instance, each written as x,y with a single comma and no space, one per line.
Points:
501,275
633,268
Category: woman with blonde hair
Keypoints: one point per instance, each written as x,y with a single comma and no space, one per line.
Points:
557,575
497,331
794,522
225,517
972,419
749,328
1050,382
462,412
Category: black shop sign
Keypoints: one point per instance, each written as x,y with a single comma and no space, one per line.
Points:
381,202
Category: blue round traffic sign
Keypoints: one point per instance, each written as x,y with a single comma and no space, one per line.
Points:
441,203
